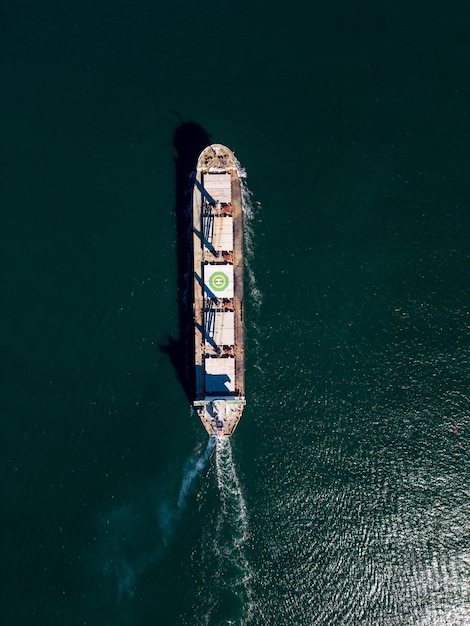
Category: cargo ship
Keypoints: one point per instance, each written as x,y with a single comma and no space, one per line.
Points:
219,356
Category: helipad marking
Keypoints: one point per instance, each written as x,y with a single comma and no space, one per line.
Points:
218,281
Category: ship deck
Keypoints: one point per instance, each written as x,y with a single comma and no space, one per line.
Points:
218,291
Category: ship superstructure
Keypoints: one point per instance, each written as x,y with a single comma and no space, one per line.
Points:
218,291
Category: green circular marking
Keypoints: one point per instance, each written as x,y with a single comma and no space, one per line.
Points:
218,281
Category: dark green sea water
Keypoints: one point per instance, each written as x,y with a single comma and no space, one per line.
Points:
343,498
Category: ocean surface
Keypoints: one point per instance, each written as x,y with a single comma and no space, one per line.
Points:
343,497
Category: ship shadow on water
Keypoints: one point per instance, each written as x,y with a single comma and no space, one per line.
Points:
189,140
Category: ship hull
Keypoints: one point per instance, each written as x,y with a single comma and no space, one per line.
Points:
218,267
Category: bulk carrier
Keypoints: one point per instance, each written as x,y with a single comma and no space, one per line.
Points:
218,291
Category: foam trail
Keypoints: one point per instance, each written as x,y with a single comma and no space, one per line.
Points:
231,536
233,503
193,468
126,552
249,213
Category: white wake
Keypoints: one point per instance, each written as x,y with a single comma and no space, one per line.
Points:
231,542
127,552
250,211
